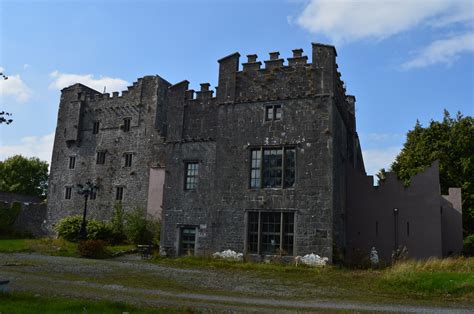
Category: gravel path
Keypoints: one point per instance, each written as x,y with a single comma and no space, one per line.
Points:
140,283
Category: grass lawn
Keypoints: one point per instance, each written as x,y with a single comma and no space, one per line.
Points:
27,303
50,246
437,280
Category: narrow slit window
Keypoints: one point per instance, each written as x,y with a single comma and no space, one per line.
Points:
119,193
68,193
408,228
126,124
72,162
128,159
376,228
100,160
95,127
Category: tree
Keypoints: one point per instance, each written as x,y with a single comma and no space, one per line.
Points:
4,115
450,141
22,175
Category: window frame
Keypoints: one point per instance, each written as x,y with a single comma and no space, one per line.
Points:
276,112
68,192
260,233
128,159
99,160
194,176
72,162
127,124
96,127
120,188
261,168
181,251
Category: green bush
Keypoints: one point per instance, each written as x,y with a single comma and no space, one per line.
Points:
141,230
117,225
68,228
469,245
8,216
92,249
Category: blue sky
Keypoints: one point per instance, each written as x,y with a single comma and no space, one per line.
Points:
403,60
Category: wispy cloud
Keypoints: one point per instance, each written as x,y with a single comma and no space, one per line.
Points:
14,88
30,146
61,80
442,51
344,20
376,159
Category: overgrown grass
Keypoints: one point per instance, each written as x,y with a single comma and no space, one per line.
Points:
50,246
26,303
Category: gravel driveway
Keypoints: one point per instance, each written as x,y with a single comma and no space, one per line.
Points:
144,284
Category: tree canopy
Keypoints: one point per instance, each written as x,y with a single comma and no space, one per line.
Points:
451,141
22,175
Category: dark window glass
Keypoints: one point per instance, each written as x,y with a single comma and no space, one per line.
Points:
270,233
408,229
72,162
376,228
252,240
276,170
126,124
187,241
191,176
68,193
119,193
95,127
100,158
128,159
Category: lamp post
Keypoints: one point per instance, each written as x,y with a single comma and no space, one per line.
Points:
87,190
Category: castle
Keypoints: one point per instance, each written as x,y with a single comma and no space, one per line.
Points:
269,165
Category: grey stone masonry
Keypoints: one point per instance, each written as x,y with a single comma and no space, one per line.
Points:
80,108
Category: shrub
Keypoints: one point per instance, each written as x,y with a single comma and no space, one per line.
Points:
92,249
68,228
140,230
116,225
469,245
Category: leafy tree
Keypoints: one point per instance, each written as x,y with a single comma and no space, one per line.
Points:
450,141
22,175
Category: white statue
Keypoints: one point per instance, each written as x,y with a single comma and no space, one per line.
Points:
374,257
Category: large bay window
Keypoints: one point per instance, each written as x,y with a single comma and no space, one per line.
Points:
272,167
270,233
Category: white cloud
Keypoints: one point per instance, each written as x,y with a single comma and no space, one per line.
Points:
26,66
442,51
62,80
30,146
14,88
376,159
344,20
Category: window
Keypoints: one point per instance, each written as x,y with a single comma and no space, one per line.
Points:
100,158
408,229
270,233
191,176
95,127
376,228
128,159
187,241
68,192
119,193
275,170
273,112
126,124
72,162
